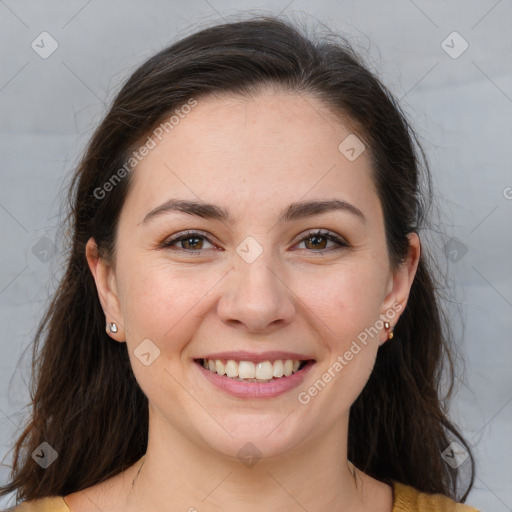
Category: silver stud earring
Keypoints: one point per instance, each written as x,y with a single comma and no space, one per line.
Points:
112,327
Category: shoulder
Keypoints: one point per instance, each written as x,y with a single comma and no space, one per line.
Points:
409,499
51,504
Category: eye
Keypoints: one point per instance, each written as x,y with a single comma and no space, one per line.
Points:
190,241
317,241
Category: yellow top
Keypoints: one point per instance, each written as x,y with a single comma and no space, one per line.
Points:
405,499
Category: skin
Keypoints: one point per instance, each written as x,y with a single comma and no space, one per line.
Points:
237,153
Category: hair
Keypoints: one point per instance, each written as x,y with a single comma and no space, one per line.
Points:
85,400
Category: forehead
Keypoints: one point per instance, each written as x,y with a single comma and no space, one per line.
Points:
274,147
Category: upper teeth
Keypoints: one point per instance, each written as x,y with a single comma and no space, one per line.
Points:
264,370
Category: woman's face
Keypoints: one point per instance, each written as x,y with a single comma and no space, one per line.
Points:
247,184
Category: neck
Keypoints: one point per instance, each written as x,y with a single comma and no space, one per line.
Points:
181,474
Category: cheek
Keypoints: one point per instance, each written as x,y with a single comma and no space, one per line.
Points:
166,307
159,302
346,307
345,298
346,302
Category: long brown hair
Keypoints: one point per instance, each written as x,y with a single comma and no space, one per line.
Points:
86,402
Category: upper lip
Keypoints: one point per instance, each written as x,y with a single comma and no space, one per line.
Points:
242,355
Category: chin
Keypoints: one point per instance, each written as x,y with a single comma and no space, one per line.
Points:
255,436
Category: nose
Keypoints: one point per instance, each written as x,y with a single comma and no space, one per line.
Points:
256,297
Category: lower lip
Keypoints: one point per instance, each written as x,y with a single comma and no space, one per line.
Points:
270,389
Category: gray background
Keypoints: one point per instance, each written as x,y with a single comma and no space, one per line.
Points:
460,106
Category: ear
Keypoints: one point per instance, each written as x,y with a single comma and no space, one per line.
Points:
105,279
399,286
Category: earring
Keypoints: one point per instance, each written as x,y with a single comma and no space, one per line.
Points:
112,327
387,325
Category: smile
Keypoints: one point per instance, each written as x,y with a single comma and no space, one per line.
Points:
263,371
242,377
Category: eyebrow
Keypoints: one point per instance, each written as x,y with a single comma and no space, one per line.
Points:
295,211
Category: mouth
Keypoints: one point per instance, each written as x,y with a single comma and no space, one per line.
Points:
249,371
252,377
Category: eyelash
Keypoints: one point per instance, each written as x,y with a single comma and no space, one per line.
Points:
197,234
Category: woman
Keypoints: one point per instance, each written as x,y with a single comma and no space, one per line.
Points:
247,318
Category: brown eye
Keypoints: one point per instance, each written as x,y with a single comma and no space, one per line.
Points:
318,242
192,243
188,242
